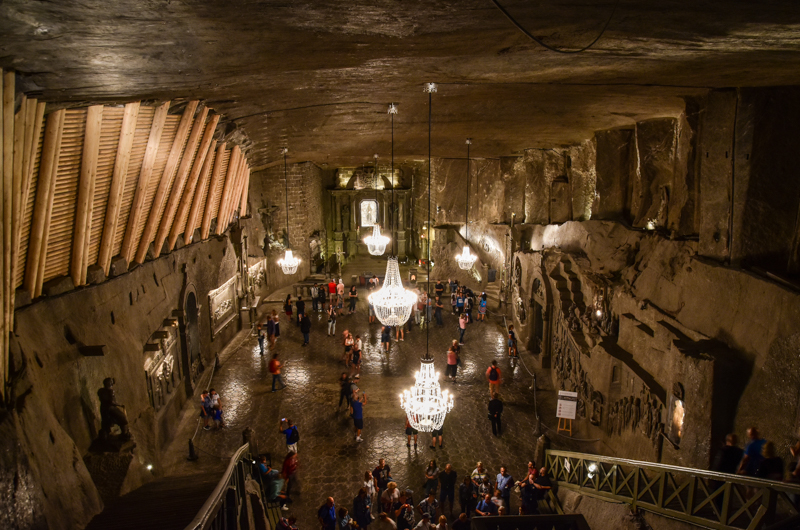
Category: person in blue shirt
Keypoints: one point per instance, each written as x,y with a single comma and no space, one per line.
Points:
292,435
504,483
327,514
486,506
357,412
752,453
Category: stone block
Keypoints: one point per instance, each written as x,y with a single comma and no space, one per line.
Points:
613,164
560,204
582,179
57,286
652,184
22,298
119,265
95,274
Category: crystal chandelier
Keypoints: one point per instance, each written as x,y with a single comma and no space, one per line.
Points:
376,243
392,302
425,403
288,263
466,260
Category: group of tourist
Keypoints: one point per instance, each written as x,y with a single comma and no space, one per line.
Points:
211,409
757,459
380,502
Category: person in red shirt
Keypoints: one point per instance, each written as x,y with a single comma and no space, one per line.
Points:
275,370
332,292
494,377
289,471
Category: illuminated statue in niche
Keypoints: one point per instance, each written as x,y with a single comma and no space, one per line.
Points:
369,213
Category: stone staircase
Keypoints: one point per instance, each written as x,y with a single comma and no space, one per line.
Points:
493,295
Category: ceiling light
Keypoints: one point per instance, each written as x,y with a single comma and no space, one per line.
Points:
288,263
376,243
466,260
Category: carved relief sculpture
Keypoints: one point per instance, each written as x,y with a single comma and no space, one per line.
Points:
111,412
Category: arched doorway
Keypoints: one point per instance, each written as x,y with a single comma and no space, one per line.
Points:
192,360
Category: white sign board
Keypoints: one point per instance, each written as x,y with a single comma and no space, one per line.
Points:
567,404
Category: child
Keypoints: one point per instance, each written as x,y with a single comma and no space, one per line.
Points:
512,342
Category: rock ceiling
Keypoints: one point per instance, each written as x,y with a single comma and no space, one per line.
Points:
318,75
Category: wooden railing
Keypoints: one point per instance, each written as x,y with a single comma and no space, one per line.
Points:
704,498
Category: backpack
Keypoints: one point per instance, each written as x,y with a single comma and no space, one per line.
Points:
294,437
493,374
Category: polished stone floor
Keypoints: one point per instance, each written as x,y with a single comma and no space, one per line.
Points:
331,461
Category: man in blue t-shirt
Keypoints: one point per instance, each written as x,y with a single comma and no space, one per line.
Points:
357,412
327,515
486,506
752,453
504,483
291,432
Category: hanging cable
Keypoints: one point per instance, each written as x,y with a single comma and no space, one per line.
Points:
469,178
286,182
394,236
431,90
551,48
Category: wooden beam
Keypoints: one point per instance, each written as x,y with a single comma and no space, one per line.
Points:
166,179
153,143
86,185
20,145
8,205
3,325
113,207
245,189
235,198
197,204
216,174
180,180
43,206
188,192
227,190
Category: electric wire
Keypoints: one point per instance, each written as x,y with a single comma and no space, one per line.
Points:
542,43
428,265
286,181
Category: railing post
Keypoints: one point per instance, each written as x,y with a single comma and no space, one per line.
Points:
690,500
635,496
769,500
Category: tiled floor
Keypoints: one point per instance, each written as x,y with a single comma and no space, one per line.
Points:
331,461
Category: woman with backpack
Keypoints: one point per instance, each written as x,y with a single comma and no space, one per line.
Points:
482,307
494,377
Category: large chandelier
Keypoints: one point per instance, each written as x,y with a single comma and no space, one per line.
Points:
425,403
392,302
376,243
288,263
466,260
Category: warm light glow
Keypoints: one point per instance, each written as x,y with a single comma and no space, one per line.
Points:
599,313
376,243
466,260
392,302
426,405
289,263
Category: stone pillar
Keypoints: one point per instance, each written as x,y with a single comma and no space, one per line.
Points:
337,212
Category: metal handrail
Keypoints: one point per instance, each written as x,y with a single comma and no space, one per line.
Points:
705,498
211,507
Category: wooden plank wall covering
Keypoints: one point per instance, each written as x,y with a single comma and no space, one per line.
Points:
187,194
148,164
86,184
213,187
43,206
166,178
34,131
199,194
117,182
227,190
180,180
8,190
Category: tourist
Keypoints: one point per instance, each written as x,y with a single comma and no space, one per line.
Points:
361,508
454,301
486,506
442,523
447,481
275,370
460,301
321,297
728,457
424,523
497,499
437,433
771,467
439,288
206,411
400,333
462,327
289,471
482,307
452,284
285,523
468,308
512,342
353,298
357,412
327,515
332,292
386,337
431,477
495,414
452,364
271,328
384,522
420,307
542,484
369,487
216,408
371,314
305,329
354,388
344,521
287,306
348,342
494,377
466,496
382,475
462,523
291,433
301,310
277,323
480,481
752,453
501,510
344,390
429,506
404,513
332,320
356,355
437,311
340,296
390,495
411,431
504,485
314,292
260,334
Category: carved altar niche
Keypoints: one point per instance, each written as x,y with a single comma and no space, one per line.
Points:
222,305
161,367
257,275
365,178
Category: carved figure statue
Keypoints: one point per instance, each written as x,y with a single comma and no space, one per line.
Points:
626,411
346,218
111,412
637,412
597,408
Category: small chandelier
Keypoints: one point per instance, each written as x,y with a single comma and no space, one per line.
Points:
425,403
392,302
376,243
288,263
466,260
